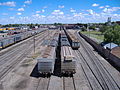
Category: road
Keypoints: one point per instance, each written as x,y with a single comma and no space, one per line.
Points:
92,73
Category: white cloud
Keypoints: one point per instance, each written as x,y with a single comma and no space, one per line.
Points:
95,5
78,14
38,11
45,7
42,11
12,17
68,18
11,9
101,7
110,10
11,4
19,13
107,6
28,2
105,10
36,15
4,13
61,6
91,12
42,16
21,9
24,5
57,12
72,10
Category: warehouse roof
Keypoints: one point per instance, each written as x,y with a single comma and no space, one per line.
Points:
116,51
110,45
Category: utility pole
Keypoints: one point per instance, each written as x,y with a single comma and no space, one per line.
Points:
34,41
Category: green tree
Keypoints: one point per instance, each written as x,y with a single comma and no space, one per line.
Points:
92,27
112,34
104,28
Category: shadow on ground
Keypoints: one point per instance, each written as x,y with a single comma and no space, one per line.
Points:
36,74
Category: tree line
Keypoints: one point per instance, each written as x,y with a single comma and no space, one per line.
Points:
111,33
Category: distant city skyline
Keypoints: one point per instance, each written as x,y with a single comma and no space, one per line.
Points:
59,11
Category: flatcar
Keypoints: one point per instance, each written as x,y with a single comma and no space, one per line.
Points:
74,41
68,61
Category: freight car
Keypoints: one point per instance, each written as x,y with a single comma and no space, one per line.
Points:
47,59
64,40
7,41
68,61
74,41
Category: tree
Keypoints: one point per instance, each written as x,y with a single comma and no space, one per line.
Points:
92,27
83,29
112,34
57,24
104,28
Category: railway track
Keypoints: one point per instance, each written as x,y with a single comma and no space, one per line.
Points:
11,51
43,84
7,57
104,78
74,83
89,74
85,68
69,83
11,63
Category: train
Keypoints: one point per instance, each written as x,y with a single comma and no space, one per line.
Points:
68,60
46,61
74,41
8,28
12,39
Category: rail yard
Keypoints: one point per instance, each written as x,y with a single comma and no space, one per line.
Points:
54,59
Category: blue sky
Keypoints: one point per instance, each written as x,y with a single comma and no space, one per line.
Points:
62,11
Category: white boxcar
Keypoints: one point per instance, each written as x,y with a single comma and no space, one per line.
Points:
68,60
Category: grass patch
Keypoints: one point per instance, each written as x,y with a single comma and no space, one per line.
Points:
94,34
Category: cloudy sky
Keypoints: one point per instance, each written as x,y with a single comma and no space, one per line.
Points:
62,11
